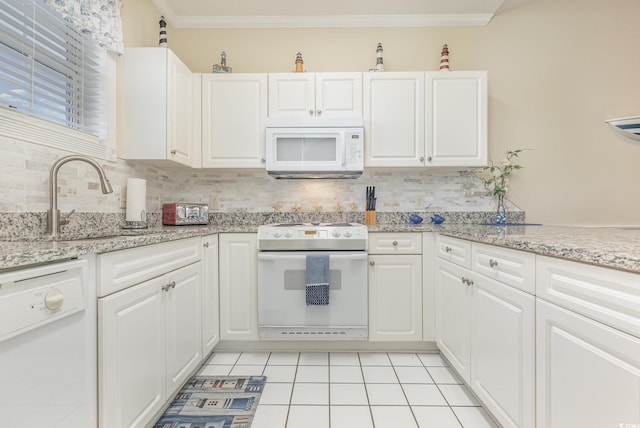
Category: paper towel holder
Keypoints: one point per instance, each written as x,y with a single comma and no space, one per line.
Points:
136,205
142,224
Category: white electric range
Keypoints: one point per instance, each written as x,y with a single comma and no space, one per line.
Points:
283,310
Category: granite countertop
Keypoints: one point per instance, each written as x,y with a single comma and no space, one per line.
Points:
617,248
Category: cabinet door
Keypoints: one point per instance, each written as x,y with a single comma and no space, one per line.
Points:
395,298
144,104
234,111
183,113
238,286
453,315
184,324
210,300
160,108
456,118
503,351
587,374
339,94
393,119
292,95
131,355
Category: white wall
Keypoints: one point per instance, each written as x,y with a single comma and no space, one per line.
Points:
558,69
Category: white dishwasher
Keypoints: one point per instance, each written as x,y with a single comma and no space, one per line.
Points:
48,347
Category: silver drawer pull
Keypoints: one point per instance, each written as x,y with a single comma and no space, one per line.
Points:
447,249
372,263
467,281
395,243
493,263
169,286
206,245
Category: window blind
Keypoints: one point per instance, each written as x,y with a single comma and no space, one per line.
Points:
50,70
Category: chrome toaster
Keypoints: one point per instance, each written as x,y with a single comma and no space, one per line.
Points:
185,214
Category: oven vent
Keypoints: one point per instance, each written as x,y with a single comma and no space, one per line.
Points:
313,332
310,333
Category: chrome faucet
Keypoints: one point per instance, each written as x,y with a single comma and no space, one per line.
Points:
53,215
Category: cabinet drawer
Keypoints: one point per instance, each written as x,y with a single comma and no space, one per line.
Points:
606,295
455,250
512,267
395,243
121,269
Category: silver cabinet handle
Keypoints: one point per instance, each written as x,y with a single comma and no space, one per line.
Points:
493,263
169,286
447,249
429,158
467,281
319,112
421,158
372,263
310,112
395,243
263,160
173,152
206,245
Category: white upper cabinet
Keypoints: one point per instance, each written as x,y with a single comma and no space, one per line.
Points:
315,94
394,119
456,118
425,119
234,111
160,107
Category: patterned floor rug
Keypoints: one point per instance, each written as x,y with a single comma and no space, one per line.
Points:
214,402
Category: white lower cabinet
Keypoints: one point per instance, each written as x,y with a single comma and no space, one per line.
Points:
395,287
485,328
395,297
149,333
588,374
132,364
587,344
210,296
238,286
184,324
453,315
503,351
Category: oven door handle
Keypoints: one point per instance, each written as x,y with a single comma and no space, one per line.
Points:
293,256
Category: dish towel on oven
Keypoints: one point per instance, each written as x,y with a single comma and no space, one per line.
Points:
317,277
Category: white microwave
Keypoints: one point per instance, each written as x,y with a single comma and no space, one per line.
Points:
315,152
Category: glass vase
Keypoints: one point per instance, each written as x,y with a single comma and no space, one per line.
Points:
501,210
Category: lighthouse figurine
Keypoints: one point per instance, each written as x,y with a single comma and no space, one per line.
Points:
163,33
444,58
299,63
379,63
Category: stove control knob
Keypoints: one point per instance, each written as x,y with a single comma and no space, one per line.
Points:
277,234
347,234
335,233
288,233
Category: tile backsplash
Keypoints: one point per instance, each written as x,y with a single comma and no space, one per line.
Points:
24,176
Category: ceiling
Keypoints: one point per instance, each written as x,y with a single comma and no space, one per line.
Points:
330,13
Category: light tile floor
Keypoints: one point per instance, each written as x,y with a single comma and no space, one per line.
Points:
354,390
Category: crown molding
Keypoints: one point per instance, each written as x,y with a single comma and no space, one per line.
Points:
431,20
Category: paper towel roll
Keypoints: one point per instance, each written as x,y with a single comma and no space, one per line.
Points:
136,199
